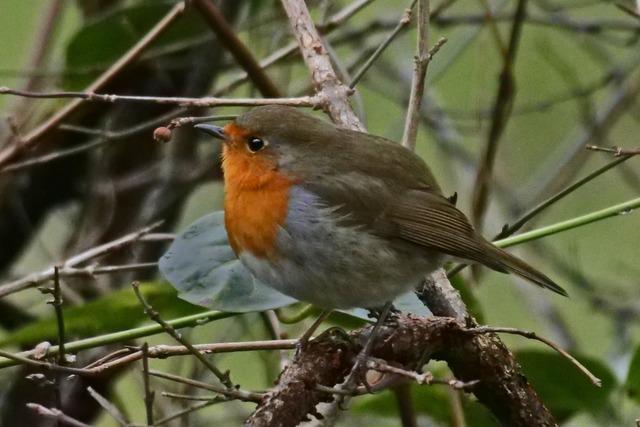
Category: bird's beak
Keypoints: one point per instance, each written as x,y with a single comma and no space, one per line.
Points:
215,131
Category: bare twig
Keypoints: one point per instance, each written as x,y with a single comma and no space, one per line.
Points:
56,415
343,15
556,173
232,393
404,21
532,335
616,151
501,112
188,410
21,359
123,357
104,137
44,39
148,393
510,229
34,137
333,94
109,407
182,121
155,316
422,58
330,25
227,36
206,101
56,302
190,397
425,378
47,274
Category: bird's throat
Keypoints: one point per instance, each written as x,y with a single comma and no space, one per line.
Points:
255,203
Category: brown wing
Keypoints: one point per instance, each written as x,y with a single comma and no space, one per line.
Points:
430,220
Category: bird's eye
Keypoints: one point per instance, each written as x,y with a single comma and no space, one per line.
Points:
255,144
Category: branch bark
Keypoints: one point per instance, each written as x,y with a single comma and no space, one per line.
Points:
333,93
413,340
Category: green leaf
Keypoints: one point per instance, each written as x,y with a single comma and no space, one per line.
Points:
201,265
563,388
116,311
102,41
633,377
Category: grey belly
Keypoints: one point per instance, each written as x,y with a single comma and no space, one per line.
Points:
335,266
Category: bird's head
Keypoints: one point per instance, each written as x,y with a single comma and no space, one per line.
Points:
270,139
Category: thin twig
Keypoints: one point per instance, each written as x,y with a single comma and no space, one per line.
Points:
121,358
104,137
616,151
148,393
21,359
532,335
33,137
56,302
188,410
206,101
47,27
331,24
233,393
404,21
501,112
155,316
36,278
510,229
421,61
227,36
109,407
56,415
182,121
426,378
342,16
557,171
190,397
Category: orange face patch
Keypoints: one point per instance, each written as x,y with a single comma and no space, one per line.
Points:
256,196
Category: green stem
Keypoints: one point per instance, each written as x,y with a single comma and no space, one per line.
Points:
295,317
538,233
129,334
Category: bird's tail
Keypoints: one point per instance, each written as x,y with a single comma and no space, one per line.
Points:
505,262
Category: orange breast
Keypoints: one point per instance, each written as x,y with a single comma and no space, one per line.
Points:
256,200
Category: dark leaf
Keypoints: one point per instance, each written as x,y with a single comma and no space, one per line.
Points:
563,388
89,51
430,400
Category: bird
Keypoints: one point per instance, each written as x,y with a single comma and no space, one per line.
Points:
340,218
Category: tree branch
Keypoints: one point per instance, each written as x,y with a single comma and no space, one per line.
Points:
481,360
332,92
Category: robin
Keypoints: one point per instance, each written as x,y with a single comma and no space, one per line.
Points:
340,218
